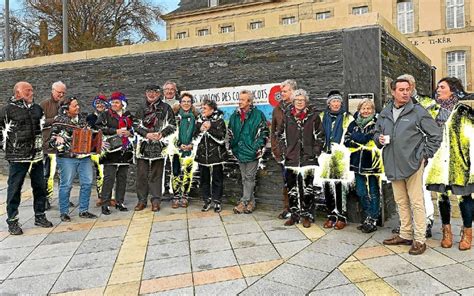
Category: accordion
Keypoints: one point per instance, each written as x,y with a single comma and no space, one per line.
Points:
86,141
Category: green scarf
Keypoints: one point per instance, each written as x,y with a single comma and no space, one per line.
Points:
362,122
186,129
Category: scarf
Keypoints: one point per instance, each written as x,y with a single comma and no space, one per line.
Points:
242,115
123,122
333,133
299,115
150,119
362,121
446,107
186,129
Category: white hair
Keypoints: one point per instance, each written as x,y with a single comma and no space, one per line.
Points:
290,82
170,82
300,93
58,84
248,93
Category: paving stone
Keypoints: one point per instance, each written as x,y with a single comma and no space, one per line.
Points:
106,232
40,284
469,264
21,241
40,266
207,232
334,279
65,237
357,272
416,283
222,288
209,245
169,225
157,252
256,254
92,260
274,224
455,254
330,248
371,243
430,259
98,245
230,219
56,250
288,249
249,240
467,292
166,267
450,293
314,260
16,255
347,236
265,215
377,287
167,237
6,269
252,279
291,234
349,290
205,222
453,276
297,276
240,228
389,265
189,291
213,260
265,287
77,280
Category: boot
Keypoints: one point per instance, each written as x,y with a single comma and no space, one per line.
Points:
286,205
447,241
466,239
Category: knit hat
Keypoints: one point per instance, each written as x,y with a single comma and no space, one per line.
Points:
119,96
334,95
100,99
153,87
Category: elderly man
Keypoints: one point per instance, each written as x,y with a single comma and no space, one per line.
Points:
248,133
409,136
20,123
50,107
287,88
170,93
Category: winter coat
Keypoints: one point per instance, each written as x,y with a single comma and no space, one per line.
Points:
365,157
180,124
211,143
278,117
151,118
21,131
248,137
346,120
452,165
109,124
50,109
301,140
415,136
63,126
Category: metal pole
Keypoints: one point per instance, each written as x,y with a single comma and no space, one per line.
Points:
6,45
65,33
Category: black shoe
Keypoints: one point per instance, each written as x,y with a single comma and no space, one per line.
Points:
65,218
42,221
121,207
87,215
71,204
206,206
217,207
369,227
14,228
105,211
47,205
429,226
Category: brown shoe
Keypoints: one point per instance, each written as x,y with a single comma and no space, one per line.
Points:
417,248
99,202
140,206
466,239
397,240
290,222
175,204
184,203
340,225
239,209
249,208
447,241
329,223
306,222
155,206
113,202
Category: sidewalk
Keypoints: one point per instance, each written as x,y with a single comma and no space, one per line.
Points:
187,252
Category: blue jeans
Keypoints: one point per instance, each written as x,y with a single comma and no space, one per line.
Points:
368,191
68,169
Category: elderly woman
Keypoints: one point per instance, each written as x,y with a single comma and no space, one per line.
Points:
301,142
451,171
335,122
116,125
366,162
183,160
211,153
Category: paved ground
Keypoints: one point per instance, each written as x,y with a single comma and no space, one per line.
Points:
186,252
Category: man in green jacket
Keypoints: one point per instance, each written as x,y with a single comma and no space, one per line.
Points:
249,132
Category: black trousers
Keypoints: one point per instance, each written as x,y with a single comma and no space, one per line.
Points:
16,178
335,196
114,174
300,192
466,205
215,175
150,179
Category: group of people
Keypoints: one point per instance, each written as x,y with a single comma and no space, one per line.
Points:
314,148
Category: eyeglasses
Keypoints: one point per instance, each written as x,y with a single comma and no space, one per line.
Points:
60,92
169,89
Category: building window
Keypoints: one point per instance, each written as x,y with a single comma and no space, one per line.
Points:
360,10
256,25
213,3
288,20
405,16
323,15
181,35
203,32
456,61
227,29
454,14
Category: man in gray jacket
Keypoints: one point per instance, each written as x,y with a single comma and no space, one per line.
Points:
409,136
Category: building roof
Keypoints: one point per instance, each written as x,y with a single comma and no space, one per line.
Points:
191,6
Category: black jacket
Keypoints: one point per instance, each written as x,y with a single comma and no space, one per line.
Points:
301,141
211,144
117,152
151,118
63,126
21,131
